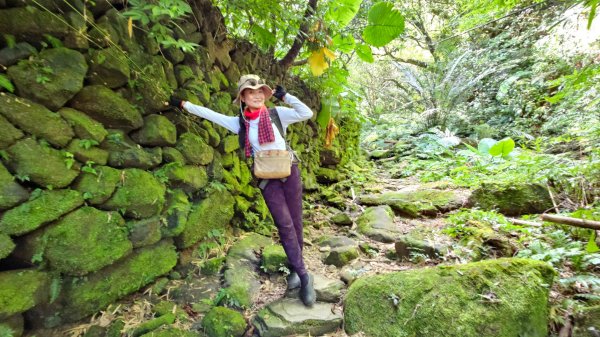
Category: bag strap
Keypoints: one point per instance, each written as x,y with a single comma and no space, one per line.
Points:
274,115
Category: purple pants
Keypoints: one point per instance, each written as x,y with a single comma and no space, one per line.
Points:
284,199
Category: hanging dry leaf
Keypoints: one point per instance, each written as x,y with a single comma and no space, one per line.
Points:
332,131
130,27
318,60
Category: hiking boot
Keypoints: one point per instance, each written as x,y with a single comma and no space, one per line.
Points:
307,293
293,281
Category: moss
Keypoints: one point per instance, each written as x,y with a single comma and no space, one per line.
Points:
144,232
86,240
12,326
416,203
212,266
93,153
230,143
165,307
171,332
157,131
511,199
504,297
183,74
84,126
26,156
11,193
172,155
213,212
141,195
97,188
6,245
375,219
115,328
109,67
273,258
341,256
176,212
587,322
152,89
152,324
48,206
21,290
214,139
194,149
8,133
341,219
27,23
224,322
137,157
189,178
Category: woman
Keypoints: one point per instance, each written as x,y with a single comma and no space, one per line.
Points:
282,196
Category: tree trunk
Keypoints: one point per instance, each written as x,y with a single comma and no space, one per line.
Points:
291,55
583,223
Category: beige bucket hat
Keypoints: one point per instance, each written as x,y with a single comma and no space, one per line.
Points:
251,81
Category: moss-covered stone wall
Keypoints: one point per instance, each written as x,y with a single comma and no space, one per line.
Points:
102,186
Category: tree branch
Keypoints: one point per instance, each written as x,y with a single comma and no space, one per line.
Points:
291,55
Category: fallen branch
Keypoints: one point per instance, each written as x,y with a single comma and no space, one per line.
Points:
524,223
583,223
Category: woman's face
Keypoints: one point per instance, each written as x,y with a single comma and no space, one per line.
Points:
254,98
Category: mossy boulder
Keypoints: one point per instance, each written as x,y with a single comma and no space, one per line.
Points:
107,107
11,193
84,152
26,156
183,74
6,245
176,213
511,199
11,55
194,149
170,332
230,144
341,256
36,119
108,67
12,326
144,232
587,322
378,224
152,89
84,126
140,195
85,241
152,324
62,71
214,212
172,155
341,219
426,202
273,258
81,297
48,206
189,178
224,322
97,188
30,24
8,133
21,290
212,266
136,157
504,297
407,245
326,176
157,131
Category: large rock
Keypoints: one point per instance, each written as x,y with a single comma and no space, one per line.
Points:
157,131
81,297
194,149
287,316
6,245
11,55
85,241
189,178
109,67
97,188
378,224
47,207
224,322
426,202
22,289
175,214
84,152
407,245
35,119
30,24
107,107
42,165
341,256
8,133
327,290
51,78
511,199
504,297
214,212
144,232
83,125
152,89
273,258
140,195
11,193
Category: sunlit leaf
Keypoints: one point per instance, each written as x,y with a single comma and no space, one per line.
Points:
343,11
385,24
130,27
344,43
593,6
485,144
591,246
6,84
503,147
318,60
364,53
329,54
263,37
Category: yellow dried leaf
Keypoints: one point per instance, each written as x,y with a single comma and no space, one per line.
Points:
328,54
332,131
130,27
317,62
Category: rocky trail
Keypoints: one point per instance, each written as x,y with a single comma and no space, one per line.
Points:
238,289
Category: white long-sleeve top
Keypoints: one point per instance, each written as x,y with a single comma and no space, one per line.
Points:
297,113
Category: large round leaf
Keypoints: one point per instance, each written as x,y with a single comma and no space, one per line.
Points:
342,11
364,53
503,147
485,145
385,24
344,43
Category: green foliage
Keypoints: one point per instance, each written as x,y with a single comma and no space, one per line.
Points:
385,24
342,12
87,143
213,244
69,159
225,299
161,16
6,83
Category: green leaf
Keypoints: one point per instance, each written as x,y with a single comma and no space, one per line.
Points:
385,24
343,11
364,53
485,144
325,113
343,43
6,84
263,37
504,147
591,246
593,6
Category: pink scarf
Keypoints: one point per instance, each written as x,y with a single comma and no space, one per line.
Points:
265,129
